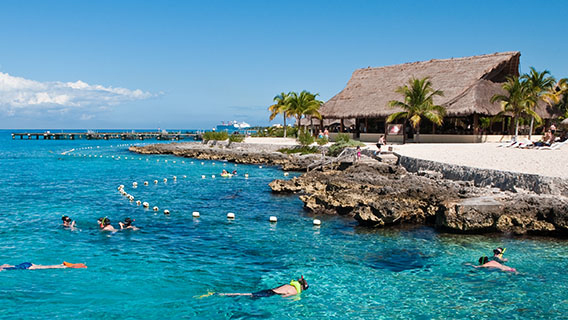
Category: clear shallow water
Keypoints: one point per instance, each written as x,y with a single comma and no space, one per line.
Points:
157,272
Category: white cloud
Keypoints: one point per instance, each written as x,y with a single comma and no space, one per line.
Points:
19,95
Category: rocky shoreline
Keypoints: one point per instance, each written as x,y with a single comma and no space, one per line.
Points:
378,194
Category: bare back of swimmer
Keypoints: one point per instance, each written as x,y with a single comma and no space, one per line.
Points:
286,290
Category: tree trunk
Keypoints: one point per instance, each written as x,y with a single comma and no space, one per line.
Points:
418,133
531,129
312,125
516,128
284,124
404,132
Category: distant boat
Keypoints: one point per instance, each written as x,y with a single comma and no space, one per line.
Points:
233,126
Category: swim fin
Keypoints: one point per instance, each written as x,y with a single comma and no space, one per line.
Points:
74,265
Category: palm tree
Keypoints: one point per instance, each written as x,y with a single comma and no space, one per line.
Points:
281,106
518,101
418,103
304,103
558,95
538,84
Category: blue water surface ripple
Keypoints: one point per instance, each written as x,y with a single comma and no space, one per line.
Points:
160,271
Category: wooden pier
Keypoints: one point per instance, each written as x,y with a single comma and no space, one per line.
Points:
107,135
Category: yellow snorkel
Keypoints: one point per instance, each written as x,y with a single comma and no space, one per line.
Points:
502,252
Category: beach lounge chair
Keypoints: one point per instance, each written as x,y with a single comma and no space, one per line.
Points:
554,146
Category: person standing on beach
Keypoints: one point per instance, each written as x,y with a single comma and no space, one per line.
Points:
380,143
358,154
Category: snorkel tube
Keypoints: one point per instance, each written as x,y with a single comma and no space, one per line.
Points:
502,252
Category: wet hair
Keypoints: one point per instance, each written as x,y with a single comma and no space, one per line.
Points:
498,250
127,222
303,283
104,222
66,219
483,260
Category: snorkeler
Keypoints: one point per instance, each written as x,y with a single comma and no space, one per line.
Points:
67,222
234,172
295,287
484,262
127,224
498,255
31,266
104,224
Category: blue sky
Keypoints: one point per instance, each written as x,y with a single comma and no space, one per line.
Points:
186,64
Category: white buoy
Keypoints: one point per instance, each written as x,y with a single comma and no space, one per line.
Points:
246,175
165,180
146,205
156,208
134,184
165,160
317,222
195,214
138,202
230,215
202,163
166,211
175,178
183,162
174,161
213,176
184,176
260,167
273,219
286,174
131,198
155,181
145,183
158,160
121,187
191,162
202,176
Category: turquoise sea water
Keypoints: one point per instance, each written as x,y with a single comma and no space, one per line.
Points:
157,272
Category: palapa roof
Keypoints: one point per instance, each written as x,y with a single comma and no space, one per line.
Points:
468,85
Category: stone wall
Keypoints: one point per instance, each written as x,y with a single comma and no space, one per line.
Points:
504,180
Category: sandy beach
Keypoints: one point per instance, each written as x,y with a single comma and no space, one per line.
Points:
551,163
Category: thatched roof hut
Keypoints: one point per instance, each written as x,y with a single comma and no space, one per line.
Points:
468,85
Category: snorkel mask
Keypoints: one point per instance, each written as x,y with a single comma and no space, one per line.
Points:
304,283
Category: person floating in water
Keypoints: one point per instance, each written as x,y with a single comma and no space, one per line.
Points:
484,262
67,222
295,287
234,172
104,224
498,255
31,266
127,224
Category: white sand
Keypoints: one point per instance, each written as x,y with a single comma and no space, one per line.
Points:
273,141
552,163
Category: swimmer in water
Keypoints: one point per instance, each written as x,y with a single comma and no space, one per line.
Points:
484,262
104,224
286,290
67,222
127,224
498,255
31,266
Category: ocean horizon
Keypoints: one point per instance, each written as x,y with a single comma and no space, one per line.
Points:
169,267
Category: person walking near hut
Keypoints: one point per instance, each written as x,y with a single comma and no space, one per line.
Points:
380,143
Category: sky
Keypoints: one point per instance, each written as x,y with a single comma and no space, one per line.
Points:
192,64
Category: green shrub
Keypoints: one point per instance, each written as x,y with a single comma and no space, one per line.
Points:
322,141
336,148
236,138
302,150
213,135
342,137
305,138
